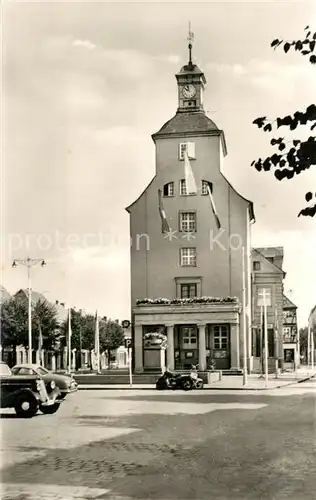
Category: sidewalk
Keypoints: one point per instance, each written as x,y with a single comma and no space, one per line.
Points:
255,382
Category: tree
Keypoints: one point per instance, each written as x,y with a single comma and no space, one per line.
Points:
76,329
295,156
88,331
45,322
304,341
82,330
111,336
14,325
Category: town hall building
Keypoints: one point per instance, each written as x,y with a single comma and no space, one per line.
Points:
187,280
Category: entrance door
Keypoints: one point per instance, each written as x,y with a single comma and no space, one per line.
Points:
220,346
186,351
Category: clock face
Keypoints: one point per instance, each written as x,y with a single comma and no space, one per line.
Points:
189,91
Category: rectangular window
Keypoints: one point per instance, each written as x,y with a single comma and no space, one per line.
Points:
168,189
204,189
183,188
256,266
188,256
188,222
220,337
189,147
286,334
189,337
188,291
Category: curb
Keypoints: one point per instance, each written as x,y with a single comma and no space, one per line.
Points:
113,387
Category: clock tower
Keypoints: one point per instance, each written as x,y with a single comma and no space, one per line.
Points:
191,82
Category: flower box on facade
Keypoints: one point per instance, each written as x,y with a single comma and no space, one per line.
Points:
184,302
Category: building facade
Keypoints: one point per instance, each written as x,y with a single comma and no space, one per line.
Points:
195,258
291,346
267,277
312,336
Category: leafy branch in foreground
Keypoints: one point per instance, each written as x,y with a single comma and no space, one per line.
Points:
292,157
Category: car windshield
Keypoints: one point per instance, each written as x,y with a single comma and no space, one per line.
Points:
4,370
42,371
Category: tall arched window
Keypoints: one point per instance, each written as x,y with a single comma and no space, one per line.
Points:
204,190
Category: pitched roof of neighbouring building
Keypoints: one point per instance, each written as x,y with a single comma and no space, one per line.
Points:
288,304
312,315
62,311
4,294
36,296
277,251
260,250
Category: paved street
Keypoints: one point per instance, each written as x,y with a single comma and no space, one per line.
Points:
219,445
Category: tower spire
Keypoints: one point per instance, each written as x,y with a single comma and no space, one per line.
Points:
190,40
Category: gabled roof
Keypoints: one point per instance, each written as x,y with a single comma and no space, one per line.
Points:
36,296
257,250
62,312
187,123
287,304
277,251
312,315
4,294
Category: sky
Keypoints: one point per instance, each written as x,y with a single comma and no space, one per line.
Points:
85,84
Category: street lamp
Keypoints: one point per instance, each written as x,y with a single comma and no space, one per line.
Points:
29,263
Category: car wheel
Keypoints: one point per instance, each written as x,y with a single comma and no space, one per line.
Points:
49,410
26,406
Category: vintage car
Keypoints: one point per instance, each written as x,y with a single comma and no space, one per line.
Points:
26,394
65,383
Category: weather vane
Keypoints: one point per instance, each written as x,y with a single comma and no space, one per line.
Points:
190,40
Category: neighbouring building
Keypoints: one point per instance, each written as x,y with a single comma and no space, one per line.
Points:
312,319
312,327
291,345
267,278
194,258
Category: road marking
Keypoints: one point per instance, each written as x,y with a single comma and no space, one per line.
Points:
65,437
116,407
10,491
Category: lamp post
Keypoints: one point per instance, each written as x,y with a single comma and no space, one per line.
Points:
245,370
29,263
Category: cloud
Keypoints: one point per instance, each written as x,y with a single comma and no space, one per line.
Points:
85,44
267,75
173,59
